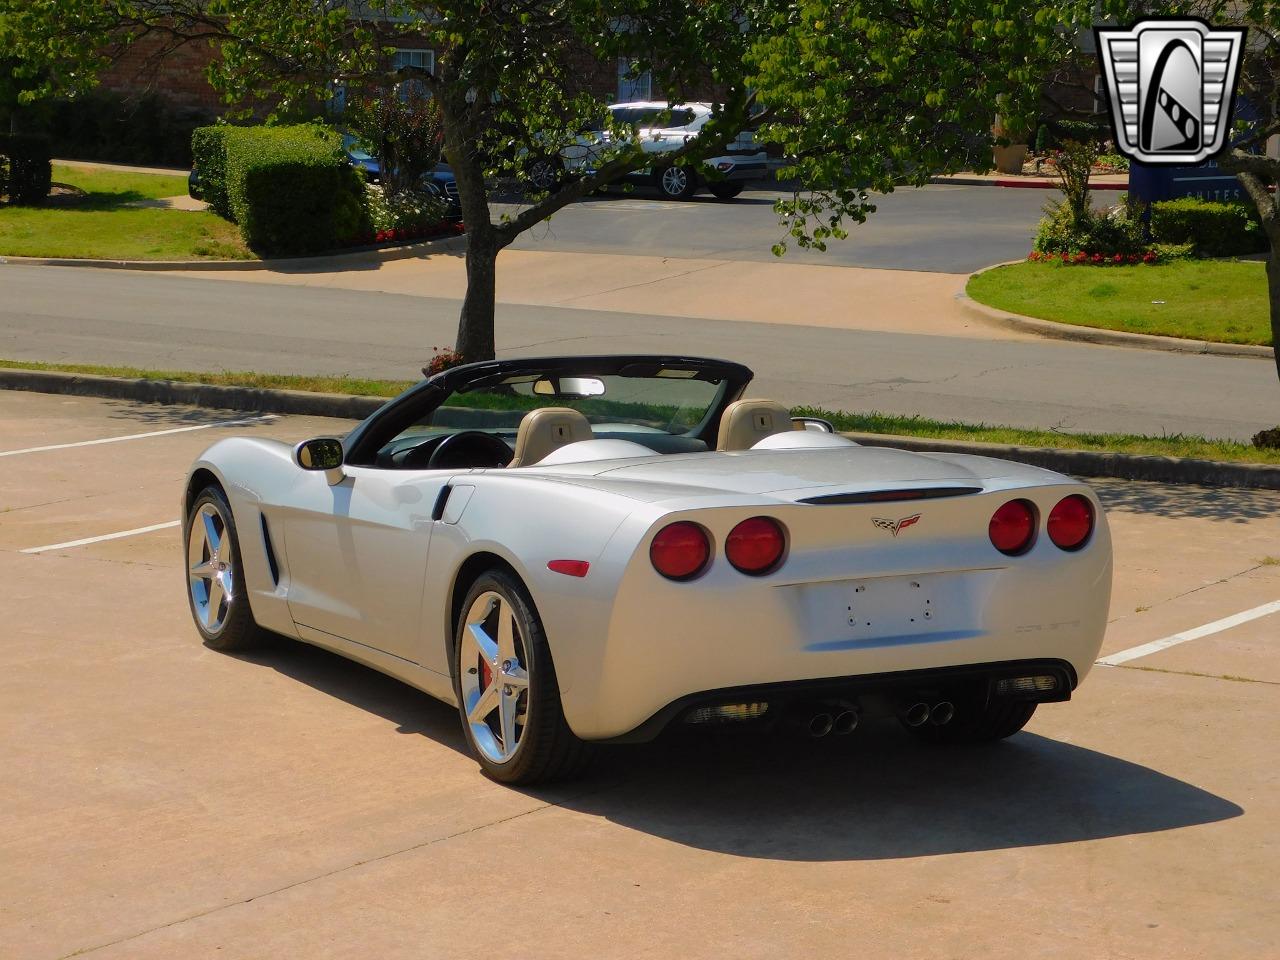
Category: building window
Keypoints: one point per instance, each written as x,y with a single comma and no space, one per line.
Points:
424,60
633,85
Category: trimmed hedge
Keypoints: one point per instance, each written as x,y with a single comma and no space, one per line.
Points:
1213,228
209,159
290,188
26,172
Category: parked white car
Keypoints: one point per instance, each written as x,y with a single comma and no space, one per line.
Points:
661,128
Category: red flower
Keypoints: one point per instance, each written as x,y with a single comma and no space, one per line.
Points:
1118,258
1134,258
1033,255
1096,258
1081,257
1149,257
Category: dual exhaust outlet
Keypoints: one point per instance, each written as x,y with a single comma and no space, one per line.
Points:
819,719
939,714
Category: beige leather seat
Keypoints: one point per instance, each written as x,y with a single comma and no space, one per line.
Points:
745,423
547,429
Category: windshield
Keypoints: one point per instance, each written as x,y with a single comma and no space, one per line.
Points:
671,403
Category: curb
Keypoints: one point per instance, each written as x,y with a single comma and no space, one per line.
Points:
1091,463
1083,463
1036,183
321,263
1111,338
297,402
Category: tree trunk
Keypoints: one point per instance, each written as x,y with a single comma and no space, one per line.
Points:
475,325
1273,292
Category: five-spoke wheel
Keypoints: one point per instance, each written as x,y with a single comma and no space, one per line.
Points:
215,580
506,686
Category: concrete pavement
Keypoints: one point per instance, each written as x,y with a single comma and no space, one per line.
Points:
301,326
162,800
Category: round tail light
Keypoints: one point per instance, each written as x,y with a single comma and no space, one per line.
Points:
1013,527
1071,522
680,551
755,545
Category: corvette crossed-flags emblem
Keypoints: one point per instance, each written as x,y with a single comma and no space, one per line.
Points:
896,526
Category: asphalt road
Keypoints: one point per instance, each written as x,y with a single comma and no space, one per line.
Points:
152,320
937,228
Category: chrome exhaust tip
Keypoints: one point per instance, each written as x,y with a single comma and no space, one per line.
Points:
845,723
917,715
820,724
942,713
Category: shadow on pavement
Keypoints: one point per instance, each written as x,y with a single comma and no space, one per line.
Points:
873,796
1203,503
879,795
412,711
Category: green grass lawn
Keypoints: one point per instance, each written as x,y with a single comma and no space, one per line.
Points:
101,227
1220,300
1167,446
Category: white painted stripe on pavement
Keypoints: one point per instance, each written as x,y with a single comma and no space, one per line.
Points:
1155,646
106,536
140,436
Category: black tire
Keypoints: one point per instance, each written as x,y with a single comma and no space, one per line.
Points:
676,183
996,721
724,190
235,629
545,748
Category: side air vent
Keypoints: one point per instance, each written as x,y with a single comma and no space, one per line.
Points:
271,552
885,496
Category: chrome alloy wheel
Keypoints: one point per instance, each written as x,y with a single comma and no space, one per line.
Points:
675,181
210,573
495,679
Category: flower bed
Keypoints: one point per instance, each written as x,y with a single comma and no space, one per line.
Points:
1095,258
445,228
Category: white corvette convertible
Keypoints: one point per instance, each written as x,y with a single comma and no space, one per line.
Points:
587,549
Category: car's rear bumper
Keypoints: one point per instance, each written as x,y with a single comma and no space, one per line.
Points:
873,694
732,168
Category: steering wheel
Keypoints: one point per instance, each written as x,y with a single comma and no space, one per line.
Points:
470,448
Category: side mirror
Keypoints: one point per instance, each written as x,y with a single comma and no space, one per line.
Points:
814,424
321,453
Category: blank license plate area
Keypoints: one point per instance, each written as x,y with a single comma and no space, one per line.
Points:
846,613
892,606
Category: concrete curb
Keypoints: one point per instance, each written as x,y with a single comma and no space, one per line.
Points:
1082,463
1091,463
1036,183
297,402
1112,338
321,264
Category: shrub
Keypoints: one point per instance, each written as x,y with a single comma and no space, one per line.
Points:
1267,439
209,158
291,189
25,168
1214,229
408,210
1118,230
125,128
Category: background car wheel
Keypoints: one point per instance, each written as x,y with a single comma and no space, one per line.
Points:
505,683
997,720
677,183
545,173
216,589
725,191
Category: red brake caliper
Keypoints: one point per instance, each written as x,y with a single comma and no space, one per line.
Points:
486,674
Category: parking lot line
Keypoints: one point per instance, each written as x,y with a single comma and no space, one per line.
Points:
106,536
1155,646
140,436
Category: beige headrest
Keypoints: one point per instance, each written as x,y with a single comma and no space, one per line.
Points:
547,429
744,423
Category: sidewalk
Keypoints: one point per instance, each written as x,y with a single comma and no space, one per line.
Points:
851,298
122,167
1099,181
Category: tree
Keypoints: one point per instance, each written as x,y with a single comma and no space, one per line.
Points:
862,95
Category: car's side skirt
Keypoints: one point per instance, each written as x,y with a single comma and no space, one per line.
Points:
437,685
